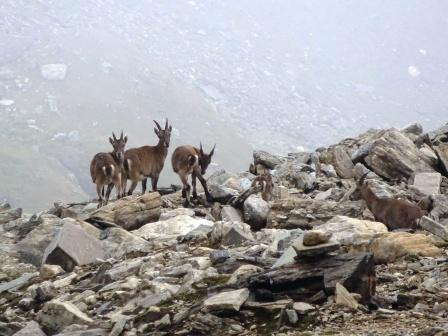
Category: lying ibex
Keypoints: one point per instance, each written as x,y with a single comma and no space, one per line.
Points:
106,169
394,213
265,181
147,161
188,160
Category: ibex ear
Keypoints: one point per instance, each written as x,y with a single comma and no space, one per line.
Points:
170,129
200,148
111,141
125,138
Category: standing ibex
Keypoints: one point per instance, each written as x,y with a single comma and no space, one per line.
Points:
265,181
106,169
147,161
394,213
188,160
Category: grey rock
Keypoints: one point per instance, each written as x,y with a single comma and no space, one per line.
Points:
10,215
5,206
256,211
73,246
32,328
230,214
17,283
123,269
303,308
232,300
235,236
442,153
55,315
434,227
292,316
361,152
316,237
343,297
287,258
219,256
222,194
233,233
308,251
88,332
415,129
118,327
120,242
342,162
268,160
328,170
428,183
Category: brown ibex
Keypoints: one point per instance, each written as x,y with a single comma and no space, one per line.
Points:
147,161
265,181
106,169
188,160
394,213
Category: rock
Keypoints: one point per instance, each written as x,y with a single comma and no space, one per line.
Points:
230,214
118,327
301,157
343,297
73,246
176,212
324,195
123,269
8,215
316,237
131,212
428,183
287,258
219,256
232,300
171,228
50,271
303,308
355,272
393,245
88,332
342,163
32,247
292,317
435,228
120,242
394,156
55,315
4,206
54,72
222,194
243,270
297,175
32,328
17,283
268,160
307,213
267,307
350,231
442,153
439,212
360,170
309,251
255,211
415,129
44,292
230,233
407,301
165,321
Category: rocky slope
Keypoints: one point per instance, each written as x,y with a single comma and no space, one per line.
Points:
311,262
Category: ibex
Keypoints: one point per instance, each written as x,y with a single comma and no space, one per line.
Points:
147,161
106,169
394,213
265,181
188,160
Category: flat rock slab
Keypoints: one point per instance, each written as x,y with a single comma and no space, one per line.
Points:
232,300
268,160
73,246
287,258
17,283
434,227
303,280
342,162
31,329
88,332
303,308
428,183
343,297
442,154
10,215
309,251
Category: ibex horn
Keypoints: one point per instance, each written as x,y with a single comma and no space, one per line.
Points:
166,124
113,134
158,126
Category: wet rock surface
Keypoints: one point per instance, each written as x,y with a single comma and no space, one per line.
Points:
309,262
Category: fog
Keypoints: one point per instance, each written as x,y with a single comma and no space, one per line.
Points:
277,75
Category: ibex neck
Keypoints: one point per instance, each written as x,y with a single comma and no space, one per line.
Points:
117,160
162,148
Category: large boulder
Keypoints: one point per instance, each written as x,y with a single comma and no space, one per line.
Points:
394,245
395,156
351,231
442,153
256,211
268,160
230,233
131,212
342,162
428,183
8,215
55,315
120,242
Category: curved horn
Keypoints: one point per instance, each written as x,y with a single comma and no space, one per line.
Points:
113,134
166,124
213,150
121,136
200,148
158,126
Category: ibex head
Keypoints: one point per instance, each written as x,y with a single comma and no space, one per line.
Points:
205,159
164,135
118,145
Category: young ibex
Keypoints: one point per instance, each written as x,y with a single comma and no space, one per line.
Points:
106,169
394,213
188,160
147,161
265,181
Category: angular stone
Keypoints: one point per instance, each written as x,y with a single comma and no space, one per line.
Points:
434,227
32,328
120,242
316,237
342,162
230,214
73,246
123,269
235,236
50,271
222,194
55,315
17,283
233,233
10,215
395,156
219,256
268,307
328,170
309,251
442,153
268,160
351,231
232,300
287,258
428,183
243,270
171,228
393,245
291,314
255,212
407,301
415,129
303,308
88,332
344,298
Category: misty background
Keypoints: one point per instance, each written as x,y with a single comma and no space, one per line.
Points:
279,75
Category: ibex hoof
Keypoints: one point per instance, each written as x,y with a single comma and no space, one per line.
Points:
195,195
184,193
